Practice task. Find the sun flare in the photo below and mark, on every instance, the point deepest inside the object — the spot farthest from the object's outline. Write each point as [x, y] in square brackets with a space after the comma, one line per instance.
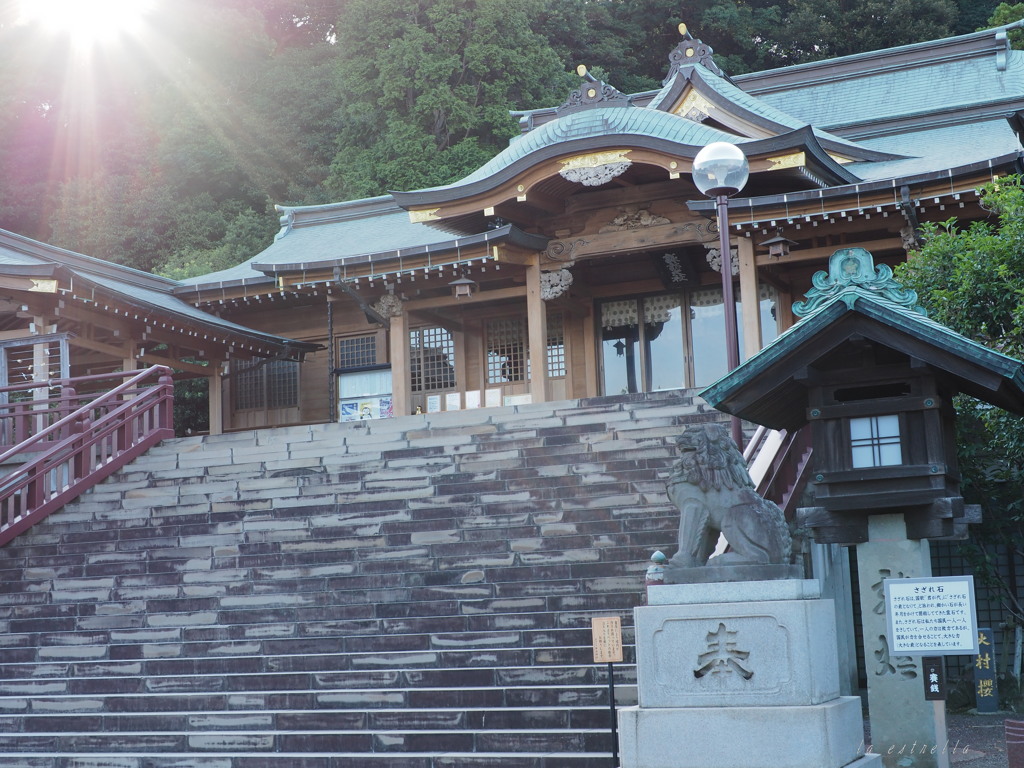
[86, 21]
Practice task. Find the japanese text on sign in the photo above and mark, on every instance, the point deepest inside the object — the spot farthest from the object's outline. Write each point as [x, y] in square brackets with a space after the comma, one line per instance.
[931, 616]
[607, 632]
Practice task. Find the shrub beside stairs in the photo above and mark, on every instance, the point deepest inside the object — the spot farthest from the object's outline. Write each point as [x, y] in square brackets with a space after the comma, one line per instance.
[410, 593]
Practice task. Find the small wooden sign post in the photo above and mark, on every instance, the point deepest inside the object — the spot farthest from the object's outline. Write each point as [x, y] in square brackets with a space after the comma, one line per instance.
[607, 634]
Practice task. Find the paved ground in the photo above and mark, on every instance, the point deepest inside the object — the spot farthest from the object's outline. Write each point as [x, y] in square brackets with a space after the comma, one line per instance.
[976, 741]
[983, 737]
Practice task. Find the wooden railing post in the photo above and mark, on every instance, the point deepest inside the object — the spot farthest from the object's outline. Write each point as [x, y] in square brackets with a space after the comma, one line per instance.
[166, 407]
[68, 399]
[81, 466]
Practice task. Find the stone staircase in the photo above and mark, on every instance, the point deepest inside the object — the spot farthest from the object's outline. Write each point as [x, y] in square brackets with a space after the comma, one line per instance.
[410, 593]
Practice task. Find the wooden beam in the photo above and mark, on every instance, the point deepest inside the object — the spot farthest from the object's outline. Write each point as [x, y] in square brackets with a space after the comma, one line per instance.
[414, 305]
[370, 312]
[200, 370]
[450, 324]
[29, 284]
[820, 254]
[112, 350]
[657, 237]
[605, 198]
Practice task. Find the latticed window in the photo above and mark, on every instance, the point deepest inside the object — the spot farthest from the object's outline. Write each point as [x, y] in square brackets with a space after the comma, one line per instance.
[875, 441]
[556, 345]
[266, 384]
[357, 351]
[506, 350]
[431, 360]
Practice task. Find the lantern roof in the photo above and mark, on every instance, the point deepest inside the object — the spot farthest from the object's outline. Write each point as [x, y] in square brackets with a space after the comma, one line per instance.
[856, 302]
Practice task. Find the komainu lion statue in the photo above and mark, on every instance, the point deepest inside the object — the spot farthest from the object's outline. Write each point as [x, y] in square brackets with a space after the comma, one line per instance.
[714, 493]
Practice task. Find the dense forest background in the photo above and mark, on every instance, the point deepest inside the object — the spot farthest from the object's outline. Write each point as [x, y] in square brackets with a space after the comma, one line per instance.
[166, 149]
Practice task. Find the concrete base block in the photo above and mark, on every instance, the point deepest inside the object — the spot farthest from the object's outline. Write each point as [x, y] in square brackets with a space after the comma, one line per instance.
[828, 735]
[737, 654]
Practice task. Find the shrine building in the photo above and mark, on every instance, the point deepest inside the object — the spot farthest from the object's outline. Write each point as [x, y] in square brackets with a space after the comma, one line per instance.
[581, 261]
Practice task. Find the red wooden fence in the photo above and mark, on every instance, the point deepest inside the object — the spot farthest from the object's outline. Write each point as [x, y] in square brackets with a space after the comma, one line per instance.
[63, 444]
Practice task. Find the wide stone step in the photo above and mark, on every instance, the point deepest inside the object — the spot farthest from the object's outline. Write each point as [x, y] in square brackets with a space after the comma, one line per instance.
[230, 742]
[431, 759]
[329, 550]
[326, 622]
[373, 719]
[316, 680]
[287, 639]
[522, 696]
[256, 662]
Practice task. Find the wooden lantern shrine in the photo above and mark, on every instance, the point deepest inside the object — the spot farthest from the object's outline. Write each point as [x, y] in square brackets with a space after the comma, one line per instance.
[875, 379]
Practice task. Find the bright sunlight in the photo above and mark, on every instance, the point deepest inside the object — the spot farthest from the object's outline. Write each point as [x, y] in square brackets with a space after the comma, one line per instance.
[86, 21]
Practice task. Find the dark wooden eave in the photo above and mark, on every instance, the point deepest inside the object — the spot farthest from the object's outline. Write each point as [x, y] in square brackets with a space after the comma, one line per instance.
[770, 389]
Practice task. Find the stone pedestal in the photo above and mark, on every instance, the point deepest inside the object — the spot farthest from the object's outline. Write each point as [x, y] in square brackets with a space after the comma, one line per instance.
[740, 675]
[906, 730]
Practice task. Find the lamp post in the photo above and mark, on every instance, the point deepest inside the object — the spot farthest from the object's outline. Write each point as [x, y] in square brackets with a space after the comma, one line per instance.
[720, 170]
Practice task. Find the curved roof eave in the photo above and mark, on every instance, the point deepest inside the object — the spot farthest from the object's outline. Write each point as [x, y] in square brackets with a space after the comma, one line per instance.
[506, 234]
[189, 315]
[203, 289]
[707, 207]
[775, 398]
[803, 139]
[80, 262]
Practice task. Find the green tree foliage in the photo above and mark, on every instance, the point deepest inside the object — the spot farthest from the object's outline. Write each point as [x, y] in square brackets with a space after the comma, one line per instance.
[428, 85]
[819, 29]
[972, 280]
[975, 14]
[158, 151]
[161, 150]
[1006, 13]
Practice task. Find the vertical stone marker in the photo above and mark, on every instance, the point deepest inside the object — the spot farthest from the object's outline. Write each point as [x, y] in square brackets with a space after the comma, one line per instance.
[903, 725]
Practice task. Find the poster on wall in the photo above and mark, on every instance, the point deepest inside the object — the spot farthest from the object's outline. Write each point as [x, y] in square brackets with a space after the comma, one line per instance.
[365, 393]
[367, 408]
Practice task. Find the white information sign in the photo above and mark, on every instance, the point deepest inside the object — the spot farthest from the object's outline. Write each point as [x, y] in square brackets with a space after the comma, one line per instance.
[932, 616]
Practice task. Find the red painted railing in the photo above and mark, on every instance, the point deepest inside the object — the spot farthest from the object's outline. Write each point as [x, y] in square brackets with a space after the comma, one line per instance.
[67, 443]
[779, 463]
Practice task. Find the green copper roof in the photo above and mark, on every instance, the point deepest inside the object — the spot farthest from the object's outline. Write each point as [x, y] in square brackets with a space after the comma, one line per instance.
[769, 388]
[148, 292]
[726, 94]
[600, 123]
[328, 233]
[935, 77]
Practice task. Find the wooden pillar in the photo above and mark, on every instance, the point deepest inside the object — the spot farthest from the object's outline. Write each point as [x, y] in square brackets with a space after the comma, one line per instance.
[784, 310]
[592, 371]
[216, 400]
[537, 320]
[401, 396]
[750, 300]
[130, 360]
[461, 368]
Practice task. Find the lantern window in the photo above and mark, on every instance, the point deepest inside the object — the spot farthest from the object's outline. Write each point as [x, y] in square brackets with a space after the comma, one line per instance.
[875, 441]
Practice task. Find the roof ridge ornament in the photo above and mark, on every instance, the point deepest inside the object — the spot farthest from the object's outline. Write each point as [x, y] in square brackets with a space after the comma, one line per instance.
[593, 93]
[855, 268]
[689, 52]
